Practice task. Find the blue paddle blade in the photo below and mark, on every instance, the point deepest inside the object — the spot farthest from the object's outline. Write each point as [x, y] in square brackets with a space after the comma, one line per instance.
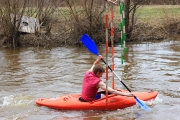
[89, 44]
[142, 105]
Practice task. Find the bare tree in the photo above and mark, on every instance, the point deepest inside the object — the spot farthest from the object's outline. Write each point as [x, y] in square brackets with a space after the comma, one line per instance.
[10, 17]
[84, 16]
[131, 8]
[12, 11]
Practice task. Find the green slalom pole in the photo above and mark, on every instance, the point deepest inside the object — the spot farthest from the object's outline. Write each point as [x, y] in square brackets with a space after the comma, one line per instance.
[123, 30]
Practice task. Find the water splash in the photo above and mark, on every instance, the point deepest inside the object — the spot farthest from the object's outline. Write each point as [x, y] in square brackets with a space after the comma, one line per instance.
[16, 100]
[153, 101]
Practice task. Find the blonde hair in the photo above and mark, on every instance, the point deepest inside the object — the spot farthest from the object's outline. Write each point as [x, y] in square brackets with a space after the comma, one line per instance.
[98, 68]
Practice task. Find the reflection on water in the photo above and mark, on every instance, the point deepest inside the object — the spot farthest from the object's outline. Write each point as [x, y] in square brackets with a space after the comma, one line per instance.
[26, 75]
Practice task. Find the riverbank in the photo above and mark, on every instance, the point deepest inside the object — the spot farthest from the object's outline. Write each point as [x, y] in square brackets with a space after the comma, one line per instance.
[156, 22]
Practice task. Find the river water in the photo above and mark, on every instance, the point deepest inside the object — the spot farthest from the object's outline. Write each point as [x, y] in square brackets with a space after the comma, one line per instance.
[26, 75]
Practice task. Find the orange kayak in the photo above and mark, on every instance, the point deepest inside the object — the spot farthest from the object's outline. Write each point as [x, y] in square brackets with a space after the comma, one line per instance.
[112, 102]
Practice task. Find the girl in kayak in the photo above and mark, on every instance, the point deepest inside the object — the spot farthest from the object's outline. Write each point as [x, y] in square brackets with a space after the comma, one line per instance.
[92, 83]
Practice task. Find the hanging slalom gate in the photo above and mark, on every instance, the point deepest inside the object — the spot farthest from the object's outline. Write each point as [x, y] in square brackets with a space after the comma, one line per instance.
[122, 38]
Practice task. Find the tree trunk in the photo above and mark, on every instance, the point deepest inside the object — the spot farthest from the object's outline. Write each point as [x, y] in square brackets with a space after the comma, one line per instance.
[127, 6]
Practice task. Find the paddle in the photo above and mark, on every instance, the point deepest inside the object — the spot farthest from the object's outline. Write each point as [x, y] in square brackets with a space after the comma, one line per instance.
[91, 46]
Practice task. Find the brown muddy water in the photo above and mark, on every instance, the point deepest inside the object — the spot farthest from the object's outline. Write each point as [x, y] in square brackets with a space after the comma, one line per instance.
[26, 75]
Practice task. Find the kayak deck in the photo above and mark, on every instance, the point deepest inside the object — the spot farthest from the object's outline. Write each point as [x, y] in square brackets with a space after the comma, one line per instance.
[112, 102]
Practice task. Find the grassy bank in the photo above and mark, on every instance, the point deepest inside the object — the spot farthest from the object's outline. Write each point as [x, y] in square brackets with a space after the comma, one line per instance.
[152, 22]
[158, 12]
[157, 22]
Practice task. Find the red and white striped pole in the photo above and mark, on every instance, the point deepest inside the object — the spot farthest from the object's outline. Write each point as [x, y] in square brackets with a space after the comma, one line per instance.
[106, 25]
[112, 42]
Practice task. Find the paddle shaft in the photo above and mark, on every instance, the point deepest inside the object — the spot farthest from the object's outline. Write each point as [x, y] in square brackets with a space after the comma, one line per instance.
[116, 76]
[143, 106]
[119, 78]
